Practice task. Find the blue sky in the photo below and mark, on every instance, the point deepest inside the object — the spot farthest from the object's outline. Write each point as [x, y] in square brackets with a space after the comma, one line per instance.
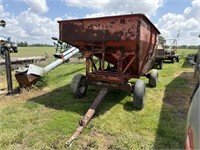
[35, 21]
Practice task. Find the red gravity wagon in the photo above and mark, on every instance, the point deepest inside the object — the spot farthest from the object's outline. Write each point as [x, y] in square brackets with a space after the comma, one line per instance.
[116, 49]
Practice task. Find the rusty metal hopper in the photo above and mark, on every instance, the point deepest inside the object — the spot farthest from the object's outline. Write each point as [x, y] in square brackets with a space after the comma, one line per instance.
[126, 41]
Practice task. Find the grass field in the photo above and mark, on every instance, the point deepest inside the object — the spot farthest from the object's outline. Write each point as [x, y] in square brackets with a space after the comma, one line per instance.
[44, 118]
[33, 51]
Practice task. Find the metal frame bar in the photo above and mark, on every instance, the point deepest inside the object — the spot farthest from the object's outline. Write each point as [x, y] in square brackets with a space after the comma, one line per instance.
[88, 116]
[8, 72]
[128, 65]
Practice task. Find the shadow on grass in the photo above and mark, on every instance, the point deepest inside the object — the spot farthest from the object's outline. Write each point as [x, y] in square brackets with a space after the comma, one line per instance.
[172, 123]
[61, 99]
[186, 63]
[112, 98]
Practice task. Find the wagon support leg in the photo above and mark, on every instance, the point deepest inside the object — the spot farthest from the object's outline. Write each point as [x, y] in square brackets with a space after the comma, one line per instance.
[88, 116]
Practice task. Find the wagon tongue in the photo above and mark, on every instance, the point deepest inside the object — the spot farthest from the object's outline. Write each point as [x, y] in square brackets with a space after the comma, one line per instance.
[88, 116]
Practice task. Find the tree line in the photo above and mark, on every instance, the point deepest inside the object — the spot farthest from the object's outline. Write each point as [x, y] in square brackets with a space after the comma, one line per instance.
[26, 44]
[161, 39]
[188, 47]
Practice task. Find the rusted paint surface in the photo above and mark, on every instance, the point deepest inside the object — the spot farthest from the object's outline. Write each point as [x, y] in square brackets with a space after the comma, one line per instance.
[25, 80]
[117, 40]
[99, 30]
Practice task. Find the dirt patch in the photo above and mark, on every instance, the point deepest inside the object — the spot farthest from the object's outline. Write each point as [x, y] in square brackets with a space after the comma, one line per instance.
[3, 83]
[76, 60]
[95, 140]
[22, 96]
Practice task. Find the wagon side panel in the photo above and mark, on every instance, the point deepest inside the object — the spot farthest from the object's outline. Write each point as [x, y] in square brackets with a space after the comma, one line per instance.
[148, 40]
[115, 32]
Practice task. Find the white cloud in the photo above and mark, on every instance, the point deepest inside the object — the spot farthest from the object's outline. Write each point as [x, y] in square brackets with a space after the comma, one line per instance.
[94, 4]
[29, 26]
[112, 7]
[37, 26]
[1, 9]
[194, 11]
[37, 6]
[188, 23]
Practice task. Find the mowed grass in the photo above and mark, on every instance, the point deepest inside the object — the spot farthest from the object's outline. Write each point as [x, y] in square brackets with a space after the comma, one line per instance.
[45, 118]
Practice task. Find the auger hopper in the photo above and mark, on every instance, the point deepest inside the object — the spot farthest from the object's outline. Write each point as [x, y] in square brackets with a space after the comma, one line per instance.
[116, 48]
[26, 76]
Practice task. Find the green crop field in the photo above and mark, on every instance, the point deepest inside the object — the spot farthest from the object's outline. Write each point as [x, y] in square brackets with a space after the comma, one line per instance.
[45, 117]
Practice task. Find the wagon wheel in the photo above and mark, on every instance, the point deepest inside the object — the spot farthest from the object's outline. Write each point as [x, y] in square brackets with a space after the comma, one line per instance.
[177, 59]
[160, 64]
[138, 94]
[78, 86]
[173, 60]
[153, 78]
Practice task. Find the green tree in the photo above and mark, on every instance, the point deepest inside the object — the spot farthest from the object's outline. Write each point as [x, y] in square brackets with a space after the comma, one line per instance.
[22, 44]
[161, 40]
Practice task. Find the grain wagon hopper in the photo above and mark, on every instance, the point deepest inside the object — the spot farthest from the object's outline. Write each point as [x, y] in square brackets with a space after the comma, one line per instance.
[117, 49]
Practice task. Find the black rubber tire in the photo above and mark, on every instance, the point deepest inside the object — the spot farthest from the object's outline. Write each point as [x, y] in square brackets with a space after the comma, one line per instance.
[177, 59]
[153, 78]
[173, 60]
[78, 87]
[160, 64]
[138, 94]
